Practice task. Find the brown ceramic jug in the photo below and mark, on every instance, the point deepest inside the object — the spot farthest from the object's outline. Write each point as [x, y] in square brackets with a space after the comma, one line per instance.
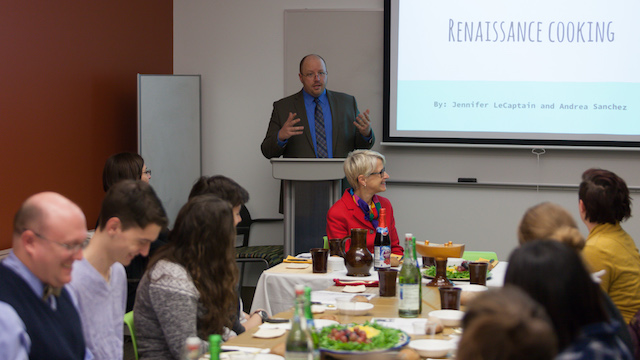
[358, 259]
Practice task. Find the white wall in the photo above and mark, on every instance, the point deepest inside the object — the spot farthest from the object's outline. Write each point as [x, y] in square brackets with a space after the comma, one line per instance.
[238, 48]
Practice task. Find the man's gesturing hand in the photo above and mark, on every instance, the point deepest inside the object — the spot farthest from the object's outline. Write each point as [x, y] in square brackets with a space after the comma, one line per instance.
[363, 123]
[289, 129]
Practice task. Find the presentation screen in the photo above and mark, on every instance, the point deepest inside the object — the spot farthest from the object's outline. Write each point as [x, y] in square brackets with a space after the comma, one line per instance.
[488, 72]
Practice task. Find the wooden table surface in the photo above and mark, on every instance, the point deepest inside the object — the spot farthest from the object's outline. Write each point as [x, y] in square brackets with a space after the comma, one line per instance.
[383, 307]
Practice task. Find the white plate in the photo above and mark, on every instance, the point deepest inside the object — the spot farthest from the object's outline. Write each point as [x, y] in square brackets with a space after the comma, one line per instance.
[354, 288]
[265, 333]
[432, 347]
[450, 318]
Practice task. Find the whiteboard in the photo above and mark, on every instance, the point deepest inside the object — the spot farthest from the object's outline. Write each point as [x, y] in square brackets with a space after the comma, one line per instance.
[169, 126]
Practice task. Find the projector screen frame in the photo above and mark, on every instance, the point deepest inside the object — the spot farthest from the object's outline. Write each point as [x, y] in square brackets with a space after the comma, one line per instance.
[483, 142]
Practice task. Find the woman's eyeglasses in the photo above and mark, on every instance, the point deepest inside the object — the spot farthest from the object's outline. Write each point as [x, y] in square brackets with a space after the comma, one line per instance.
[381, 172]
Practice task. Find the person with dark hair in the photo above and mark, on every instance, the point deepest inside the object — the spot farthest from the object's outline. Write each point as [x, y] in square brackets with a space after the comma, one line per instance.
[229, 190]
[39, 317]
[131, 166]
[551, 221]
[130, 220]
[555, 276]
[224, 188]
[506, 324]
[123, 166]
[604, 202]
[189, 288]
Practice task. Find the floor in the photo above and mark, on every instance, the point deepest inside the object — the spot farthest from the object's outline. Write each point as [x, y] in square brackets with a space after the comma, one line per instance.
[246, 294]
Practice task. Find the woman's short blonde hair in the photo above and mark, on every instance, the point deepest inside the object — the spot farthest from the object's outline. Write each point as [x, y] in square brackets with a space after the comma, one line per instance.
[550, 221]
[361, 162]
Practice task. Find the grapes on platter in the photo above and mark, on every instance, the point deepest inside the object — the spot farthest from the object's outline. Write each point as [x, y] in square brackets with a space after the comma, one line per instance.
[346, 335]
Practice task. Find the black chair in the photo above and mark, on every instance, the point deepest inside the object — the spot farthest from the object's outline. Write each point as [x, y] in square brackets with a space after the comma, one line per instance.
[270, 255]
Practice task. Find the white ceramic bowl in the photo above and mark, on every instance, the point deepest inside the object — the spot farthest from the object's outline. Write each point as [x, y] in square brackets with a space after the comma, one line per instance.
[454, 261]
[450, 318]
[320, 323]
[432, 347]
[354, 308]
[470, 291]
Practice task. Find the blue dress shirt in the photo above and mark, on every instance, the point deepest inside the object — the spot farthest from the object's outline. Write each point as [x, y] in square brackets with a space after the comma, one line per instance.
[310, 107]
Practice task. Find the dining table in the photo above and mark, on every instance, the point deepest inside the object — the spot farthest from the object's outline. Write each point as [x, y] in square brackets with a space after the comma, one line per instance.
[383, 307]
[275, 293]
[275, 289]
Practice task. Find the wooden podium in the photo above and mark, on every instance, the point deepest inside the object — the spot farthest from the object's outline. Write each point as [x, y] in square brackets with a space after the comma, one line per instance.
[311, 187]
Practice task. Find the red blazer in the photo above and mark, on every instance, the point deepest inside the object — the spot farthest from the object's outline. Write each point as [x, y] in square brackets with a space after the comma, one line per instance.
[345, 215]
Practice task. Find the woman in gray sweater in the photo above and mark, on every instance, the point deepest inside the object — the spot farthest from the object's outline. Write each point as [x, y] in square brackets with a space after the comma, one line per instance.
[189, 288]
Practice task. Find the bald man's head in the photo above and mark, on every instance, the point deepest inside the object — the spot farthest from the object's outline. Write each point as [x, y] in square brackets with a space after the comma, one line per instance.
[48, 234]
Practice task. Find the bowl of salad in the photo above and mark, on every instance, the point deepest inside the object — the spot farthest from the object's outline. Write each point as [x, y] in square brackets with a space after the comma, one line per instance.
[348, 341]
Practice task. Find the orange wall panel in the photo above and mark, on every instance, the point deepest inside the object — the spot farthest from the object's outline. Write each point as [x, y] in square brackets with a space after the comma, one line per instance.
[68, 93]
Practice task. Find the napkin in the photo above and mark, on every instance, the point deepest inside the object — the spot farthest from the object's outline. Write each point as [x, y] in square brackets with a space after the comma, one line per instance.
[492, 263]
[293, 259]
[367, 283]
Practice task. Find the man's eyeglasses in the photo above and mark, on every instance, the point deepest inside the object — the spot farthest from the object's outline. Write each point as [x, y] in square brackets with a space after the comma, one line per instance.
[320, 74]
[70, 247]
[148, 172]
[381, 172]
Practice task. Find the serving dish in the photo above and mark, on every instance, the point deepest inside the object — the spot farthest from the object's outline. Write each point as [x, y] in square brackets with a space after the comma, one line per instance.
[449, 318]
[354, 308]
[320, 323]
[402, 340]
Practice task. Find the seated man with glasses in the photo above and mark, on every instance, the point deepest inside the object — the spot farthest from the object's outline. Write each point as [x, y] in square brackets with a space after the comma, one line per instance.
[131, 218]
[329, 122]
[360, 205]
[38, 316]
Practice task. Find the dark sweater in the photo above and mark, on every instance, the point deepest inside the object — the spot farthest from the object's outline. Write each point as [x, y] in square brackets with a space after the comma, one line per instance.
[54, 334]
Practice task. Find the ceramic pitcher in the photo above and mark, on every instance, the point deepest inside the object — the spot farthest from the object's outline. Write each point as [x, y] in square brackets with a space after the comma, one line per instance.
[358, 259]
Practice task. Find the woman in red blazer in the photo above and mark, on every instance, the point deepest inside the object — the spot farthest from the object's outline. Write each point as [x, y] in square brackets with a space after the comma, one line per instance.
[359, 206]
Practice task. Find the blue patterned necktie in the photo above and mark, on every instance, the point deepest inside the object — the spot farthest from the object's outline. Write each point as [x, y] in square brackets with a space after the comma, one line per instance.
[321, 137]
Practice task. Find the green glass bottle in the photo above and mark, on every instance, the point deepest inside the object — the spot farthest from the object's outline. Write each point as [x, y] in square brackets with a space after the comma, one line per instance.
[415, 256]
[299, 344]
[409, 282]
[214, 346]
[311, 326]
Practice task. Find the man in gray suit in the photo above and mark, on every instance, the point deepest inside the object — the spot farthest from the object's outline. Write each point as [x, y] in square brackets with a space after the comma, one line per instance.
[315, 122]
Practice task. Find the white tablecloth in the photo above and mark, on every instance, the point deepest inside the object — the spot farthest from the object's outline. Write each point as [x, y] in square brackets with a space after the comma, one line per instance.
[275, 289]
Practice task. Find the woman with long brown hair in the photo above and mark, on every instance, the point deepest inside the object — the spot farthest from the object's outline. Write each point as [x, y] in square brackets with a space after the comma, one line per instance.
[189, 288]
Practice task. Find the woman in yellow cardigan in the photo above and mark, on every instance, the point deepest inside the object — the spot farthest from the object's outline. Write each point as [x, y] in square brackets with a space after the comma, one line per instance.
[604, 203]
